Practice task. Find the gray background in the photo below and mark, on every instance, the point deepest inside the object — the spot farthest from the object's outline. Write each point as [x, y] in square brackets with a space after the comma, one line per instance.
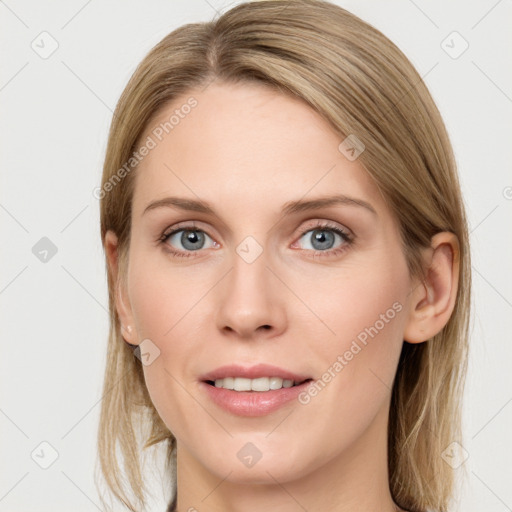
[55, 116]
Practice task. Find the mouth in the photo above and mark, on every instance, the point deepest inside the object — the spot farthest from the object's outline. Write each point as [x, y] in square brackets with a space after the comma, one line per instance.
[254, 397]
[253, 391]
[260, 384]
[261, 377]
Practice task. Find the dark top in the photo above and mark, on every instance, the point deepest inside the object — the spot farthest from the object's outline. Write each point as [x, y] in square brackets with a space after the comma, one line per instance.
[172, 505]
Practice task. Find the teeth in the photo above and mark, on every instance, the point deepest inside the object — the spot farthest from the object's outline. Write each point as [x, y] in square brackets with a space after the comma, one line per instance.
[260, 384]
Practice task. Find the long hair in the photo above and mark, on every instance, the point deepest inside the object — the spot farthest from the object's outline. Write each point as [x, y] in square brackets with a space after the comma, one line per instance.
[363, 85]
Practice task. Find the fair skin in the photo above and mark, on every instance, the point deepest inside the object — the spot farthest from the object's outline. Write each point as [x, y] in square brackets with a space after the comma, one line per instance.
[246, 151]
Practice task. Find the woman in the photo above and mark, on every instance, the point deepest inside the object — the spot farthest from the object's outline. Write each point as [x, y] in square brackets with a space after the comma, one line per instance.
[288, 265]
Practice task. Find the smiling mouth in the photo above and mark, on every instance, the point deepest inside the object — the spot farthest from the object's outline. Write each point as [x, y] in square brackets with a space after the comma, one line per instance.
[261, 384]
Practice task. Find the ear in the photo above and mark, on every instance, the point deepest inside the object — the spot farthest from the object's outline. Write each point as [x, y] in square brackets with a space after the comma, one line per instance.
[433, 299]
[122, 301]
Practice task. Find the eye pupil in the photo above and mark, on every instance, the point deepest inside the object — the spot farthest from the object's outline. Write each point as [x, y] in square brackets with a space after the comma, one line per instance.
[191, 237]
[325, 238]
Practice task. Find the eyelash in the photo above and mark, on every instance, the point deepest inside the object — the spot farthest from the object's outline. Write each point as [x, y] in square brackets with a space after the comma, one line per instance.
[323, 226]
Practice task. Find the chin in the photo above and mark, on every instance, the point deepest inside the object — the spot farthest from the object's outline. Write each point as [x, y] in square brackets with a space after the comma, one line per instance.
[266, 465]
[260, 474]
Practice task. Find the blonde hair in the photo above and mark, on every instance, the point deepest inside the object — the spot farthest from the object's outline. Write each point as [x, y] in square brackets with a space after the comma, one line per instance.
[362, 84]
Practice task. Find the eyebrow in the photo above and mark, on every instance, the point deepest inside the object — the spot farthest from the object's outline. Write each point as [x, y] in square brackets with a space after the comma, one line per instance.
[288, 208]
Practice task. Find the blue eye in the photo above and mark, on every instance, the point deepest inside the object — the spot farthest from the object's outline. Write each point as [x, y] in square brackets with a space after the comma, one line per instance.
[322, 238]
[191, 239]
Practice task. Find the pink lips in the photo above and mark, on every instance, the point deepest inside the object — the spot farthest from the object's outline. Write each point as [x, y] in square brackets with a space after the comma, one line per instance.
[252, 403]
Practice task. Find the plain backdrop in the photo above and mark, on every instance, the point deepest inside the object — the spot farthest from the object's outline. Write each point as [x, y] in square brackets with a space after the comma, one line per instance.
[56, 111]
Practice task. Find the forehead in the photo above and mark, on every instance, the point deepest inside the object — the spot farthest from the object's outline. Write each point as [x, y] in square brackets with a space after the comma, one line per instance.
[245, 145]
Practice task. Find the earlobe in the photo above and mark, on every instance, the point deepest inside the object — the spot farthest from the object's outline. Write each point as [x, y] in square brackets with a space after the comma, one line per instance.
[122, 304]
[433, 300]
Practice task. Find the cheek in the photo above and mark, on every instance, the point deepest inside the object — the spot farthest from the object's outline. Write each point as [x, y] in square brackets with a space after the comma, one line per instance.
[361, 314]
[160, 298]
[162, 308]
[356, 362]
[165, 305]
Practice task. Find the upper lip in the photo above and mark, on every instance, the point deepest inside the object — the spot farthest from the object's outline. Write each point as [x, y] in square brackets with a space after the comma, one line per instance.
[252, 372]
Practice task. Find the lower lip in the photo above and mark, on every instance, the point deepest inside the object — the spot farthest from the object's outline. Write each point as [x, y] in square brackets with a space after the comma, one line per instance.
[253, 403]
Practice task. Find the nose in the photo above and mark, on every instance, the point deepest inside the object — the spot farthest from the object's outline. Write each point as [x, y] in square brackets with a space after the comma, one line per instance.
[251, 300]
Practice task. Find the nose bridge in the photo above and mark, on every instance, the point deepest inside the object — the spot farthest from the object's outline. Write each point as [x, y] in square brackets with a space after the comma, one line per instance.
[249, 297]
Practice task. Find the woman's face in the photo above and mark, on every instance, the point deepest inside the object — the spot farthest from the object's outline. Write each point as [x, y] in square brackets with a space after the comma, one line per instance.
[266, 276]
